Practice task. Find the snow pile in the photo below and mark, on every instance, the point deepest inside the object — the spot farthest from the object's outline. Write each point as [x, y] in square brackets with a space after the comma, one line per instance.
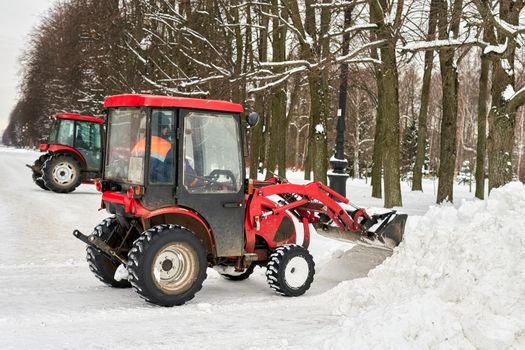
[456, 282]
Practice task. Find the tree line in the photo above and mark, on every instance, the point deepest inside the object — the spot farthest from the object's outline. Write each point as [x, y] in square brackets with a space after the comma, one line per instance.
[431, 83]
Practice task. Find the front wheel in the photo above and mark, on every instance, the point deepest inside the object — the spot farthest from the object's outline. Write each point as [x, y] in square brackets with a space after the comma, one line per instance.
[167, 265]
[37, 171]
[290, 270]
[61, 173]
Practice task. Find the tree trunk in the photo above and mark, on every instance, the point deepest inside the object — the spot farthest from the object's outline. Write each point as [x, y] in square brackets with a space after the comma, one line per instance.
[391, 151]
[423, 111]
[377, 156]
[258, 144]
[482, 127]
[390, 106]
[319, 110]
[449, 86]
[502, 116]
[278, 123]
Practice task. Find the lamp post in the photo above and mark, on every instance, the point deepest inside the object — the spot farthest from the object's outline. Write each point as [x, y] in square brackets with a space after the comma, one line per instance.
[337, 176]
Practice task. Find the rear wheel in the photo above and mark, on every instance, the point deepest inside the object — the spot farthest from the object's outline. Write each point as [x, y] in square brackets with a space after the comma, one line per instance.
[290, 270]
[167, 265]
[102, 267]
[61, 173]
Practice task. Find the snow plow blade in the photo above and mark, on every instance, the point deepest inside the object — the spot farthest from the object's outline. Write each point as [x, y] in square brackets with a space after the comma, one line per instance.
[391, 233]
[382, 231]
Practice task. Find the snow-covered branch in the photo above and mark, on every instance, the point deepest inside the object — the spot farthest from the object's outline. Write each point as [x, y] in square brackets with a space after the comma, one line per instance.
[438, 44]
[516, 100]
[341, 4]
[353, 54]
[487, 14]
[367, 26]
[175, 91]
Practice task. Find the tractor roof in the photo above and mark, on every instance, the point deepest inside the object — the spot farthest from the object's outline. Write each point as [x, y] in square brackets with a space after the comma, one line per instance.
[133, 100]
[76, 116]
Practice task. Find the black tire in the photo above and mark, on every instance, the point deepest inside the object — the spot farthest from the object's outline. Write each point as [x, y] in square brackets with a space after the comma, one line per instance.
[240, 277]
[37, 179]
[296, 280]
[154, 248]
[61, 173]
[103, 267]
[37, 171]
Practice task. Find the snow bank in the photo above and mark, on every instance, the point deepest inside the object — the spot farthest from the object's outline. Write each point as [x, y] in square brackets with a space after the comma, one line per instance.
[456, 282]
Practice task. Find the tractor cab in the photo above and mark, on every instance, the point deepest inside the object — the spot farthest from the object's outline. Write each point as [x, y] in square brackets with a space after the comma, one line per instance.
[81, 134]
[73, 153]
[176, 154]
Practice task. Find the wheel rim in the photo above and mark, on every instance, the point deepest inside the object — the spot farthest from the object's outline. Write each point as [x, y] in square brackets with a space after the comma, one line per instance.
[296, 272]
[64, 173]
[175, 268]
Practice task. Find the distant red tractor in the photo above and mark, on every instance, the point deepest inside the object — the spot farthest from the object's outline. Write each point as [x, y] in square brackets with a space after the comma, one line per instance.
[73, 153]
[174, 180]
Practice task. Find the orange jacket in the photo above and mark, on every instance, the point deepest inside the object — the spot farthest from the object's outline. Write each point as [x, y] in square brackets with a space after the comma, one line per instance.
[159, 148]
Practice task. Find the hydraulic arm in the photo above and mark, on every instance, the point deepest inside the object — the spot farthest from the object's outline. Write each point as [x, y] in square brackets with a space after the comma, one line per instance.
[317, 204]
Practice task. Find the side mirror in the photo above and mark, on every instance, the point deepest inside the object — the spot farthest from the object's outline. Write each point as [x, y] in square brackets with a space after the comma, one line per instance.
[252, 119]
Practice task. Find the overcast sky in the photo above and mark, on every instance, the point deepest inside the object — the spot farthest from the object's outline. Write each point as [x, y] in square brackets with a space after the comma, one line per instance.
[17, 18]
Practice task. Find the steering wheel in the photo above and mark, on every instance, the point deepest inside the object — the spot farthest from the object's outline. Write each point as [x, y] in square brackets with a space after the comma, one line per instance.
[216, 174]
[211, 182]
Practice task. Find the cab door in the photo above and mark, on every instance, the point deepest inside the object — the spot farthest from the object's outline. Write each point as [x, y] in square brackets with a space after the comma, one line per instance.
[211, 175]
[161, 159]
[88, 142]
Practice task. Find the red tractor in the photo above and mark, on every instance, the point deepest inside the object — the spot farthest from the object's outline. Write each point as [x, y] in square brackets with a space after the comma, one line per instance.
[73, 153]
[174, 180]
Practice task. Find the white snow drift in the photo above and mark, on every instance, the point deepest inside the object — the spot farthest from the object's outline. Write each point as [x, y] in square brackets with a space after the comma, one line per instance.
[456, 282]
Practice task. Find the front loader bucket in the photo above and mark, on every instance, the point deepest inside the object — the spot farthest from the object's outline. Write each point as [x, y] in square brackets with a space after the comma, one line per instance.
[392, 232]
[387, 235]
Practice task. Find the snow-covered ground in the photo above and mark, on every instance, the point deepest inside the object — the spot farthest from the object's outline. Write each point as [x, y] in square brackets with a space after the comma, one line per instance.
[456, 282]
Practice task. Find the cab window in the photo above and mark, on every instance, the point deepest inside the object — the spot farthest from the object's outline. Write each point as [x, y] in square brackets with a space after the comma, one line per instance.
[162, 147]
[212, 153]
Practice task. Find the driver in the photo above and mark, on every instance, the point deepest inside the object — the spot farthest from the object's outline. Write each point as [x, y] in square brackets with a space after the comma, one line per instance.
[161, 152]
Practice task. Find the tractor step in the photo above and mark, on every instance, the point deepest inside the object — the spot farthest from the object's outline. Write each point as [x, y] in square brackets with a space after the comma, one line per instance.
[99, 244]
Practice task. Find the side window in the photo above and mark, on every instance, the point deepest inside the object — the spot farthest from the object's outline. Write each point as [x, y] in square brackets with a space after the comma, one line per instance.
[65, 132]
[212, 153]
[162, 147]
[88, 135]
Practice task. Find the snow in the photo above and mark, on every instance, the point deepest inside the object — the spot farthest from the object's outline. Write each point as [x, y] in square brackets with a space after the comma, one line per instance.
[434, 44]
[145, 43]
[319, 128]
[497, 49]
[508, 93]
[457, 281]
[335, 159]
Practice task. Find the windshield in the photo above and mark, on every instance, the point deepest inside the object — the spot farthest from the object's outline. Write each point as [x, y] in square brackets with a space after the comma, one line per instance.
[61, 132]
[126, 145]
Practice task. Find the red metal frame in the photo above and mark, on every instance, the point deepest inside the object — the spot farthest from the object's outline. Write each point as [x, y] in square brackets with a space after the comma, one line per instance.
[134, 207]
[75, 116]
[135, 100]
[311, 198]
[62, 148]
